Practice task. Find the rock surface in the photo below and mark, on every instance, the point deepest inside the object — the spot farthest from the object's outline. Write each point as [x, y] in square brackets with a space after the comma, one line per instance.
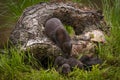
[29, 30]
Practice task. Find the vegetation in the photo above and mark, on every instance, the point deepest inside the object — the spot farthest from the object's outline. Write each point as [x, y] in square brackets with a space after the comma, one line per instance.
[16, 65]
[69, 30]
[17, 6]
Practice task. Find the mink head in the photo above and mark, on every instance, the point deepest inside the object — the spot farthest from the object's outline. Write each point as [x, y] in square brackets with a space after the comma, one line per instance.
[59, 61]
[66, 47]
[84, 58]
[66, 68]
[93, 61]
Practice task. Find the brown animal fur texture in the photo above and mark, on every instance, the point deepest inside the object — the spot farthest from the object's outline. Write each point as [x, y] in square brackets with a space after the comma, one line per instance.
[66, 69]
[72, 62]
[55, 30]
[67, 65]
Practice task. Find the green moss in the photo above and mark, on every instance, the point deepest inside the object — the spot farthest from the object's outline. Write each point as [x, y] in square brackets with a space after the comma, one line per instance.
[70, 30]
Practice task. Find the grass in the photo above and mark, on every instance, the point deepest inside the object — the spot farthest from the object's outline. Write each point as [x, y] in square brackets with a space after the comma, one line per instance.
[16, 7]
[12, 64]
[16, 65]
[112, 49]
[70, 30]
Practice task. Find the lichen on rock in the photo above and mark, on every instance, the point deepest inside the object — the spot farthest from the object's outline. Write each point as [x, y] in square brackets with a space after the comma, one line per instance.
[29, 30]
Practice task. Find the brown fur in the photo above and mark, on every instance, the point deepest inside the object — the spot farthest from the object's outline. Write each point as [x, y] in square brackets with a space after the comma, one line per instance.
[64, 69]
[55, 30]
[72, 62]
[89, 60]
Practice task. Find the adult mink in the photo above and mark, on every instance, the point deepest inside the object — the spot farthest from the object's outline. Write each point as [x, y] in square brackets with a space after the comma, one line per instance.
[55, 30]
